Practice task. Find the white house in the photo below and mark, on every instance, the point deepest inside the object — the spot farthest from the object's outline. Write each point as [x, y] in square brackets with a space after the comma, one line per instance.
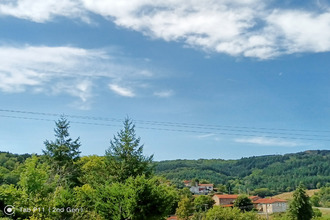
[271, 205]
[201, 189]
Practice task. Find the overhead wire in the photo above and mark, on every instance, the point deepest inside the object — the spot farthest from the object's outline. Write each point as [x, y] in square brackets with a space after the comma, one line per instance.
[178, 124]
[190, 128]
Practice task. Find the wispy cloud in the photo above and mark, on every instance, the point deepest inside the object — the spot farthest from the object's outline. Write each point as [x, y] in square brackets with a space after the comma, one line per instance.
[22, 67]
[43, 10]
[164, 94]
[267, 142]
[121, 90]
[205, 136]
[250, 28]
[210, 136]
[67, 70]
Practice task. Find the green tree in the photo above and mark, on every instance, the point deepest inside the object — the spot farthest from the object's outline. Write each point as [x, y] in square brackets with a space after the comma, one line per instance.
[315, 201]
[317, 213]
[300, 207]
[203, 203]
[125, 155]
[136, 199]
[111, 200]
[87, 197]
[221, 188]
[263, 192]
[243, 203]
[177, 183]
[93, 170]
[185, 208]
[62, 199]
[34, 177]
[324, 195]
[220, 213]
[8, 196]
[63, 153]
[185, 192]
[34, 188]
[150, 198]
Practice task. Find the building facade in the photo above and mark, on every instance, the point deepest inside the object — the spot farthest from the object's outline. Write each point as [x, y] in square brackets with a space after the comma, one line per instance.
[271, 205]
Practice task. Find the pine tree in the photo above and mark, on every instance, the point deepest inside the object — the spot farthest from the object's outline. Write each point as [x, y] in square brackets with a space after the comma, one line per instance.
[125, 155]
[300, 207]
[63, 153]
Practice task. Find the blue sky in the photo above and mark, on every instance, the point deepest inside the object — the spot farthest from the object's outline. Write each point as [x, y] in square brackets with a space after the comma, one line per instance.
[201, 79]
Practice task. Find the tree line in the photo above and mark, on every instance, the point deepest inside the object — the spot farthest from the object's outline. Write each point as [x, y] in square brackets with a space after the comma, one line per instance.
[126, 184]
[62, 185]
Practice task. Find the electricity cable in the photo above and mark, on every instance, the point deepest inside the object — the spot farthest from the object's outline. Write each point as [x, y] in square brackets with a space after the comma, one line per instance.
[174, 130]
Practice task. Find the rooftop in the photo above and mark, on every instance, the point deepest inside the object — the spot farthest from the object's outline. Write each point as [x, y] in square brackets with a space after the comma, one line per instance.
[269, 201]
[226, 196]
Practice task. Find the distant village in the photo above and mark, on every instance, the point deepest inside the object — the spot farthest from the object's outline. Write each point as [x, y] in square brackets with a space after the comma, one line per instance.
[262, 205]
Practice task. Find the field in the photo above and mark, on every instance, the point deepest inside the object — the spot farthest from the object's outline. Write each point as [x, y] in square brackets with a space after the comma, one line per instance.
[325, 213]
[288, 195]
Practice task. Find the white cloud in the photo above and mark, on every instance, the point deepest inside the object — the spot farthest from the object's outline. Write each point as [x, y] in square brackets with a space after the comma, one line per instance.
[121, 90]
[267, 142]
[164, 94]
[210, 136]
[238, 28]
[21, 67]
[202, 136]
[301, 31]
[250, 28]
[67, 70]
[43, 10]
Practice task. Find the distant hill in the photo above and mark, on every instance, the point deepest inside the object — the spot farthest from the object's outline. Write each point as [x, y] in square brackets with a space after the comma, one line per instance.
[9, 163]
[280, 173]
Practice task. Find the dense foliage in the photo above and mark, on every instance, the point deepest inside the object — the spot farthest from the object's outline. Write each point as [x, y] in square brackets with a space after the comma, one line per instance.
[10, 167]
[276, 173]
[61, 185]
[124, 185]
[243, 203]
[322, 197]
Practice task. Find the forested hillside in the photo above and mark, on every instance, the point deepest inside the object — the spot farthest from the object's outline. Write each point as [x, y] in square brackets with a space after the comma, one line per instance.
[9, 167]
[279, 173]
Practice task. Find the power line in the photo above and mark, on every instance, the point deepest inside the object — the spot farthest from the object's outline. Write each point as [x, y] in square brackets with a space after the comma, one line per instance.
[176, 124]
[173, 130]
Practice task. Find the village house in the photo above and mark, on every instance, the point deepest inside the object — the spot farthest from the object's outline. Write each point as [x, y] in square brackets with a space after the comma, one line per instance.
[254, 198]
[187, 183]
[227, 199]
[268, 205]
[271, 205]
[224, 200]
[201, 189]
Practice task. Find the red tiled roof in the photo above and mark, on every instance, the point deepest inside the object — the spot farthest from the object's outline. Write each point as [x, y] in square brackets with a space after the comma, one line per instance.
[172, 218]
[269, 200]
[229, 205]
[205, 185]
[227, 196]
[254, 198]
